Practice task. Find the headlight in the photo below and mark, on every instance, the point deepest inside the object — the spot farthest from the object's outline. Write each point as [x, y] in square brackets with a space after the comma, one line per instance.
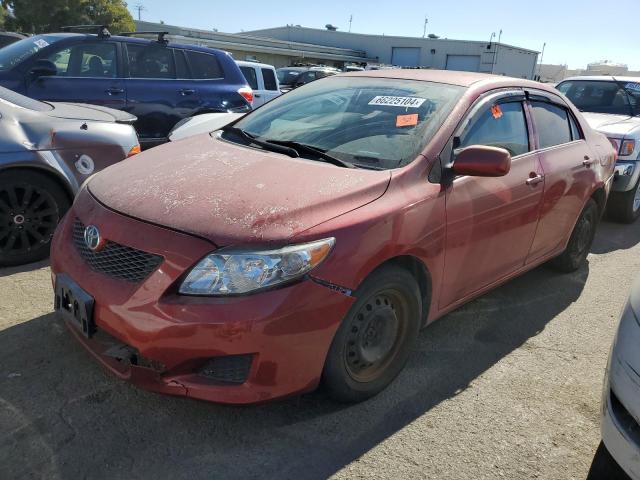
[233, 272]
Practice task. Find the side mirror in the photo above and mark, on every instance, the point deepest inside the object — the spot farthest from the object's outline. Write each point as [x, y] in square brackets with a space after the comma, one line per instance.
[43, 68]
[482, 161]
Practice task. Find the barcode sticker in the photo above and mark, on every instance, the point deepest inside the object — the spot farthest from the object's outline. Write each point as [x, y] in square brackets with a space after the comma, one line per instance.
[410, 102]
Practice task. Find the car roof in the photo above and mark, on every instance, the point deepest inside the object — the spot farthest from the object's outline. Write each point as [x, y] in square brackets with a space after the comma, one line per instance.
[138, 40]
[246, 63]
[463, 79]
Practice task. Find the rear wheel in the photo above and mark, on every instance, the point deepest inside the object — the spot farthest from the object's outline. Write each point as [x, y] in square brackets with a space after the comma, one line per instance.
[625, 206]
[31, 205]
[580, 242]
[375, 338]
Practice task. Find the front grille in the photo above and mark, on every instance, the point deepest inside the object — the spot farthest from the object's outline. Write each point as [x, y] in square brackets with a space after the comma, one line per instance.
[228, 369]
[115, 260]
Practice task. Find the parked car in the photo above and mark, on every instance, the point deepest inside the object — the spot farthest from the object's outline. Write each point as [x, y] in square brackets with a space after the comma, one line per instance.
[158, 82]
[611, 105]
[7, 38]
[262, 79]
[310, 240]
[205, 123]
[621, 392]
[47, 150]
[294, 77]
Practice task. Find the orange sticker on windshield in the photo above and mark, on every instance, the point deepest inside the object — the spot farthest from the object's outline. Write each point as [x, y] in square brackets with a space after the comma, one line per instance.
[496, 111]
[407, 120]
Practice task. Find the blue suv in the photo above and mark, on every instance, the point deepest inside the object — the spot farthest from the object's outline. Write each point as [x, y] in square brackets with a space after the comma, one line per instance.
[158, 82]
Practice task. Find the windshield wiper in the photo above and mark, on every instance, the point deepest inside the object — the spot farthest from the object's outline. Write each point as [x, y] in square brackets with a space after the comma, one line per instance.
[266, 145]
[301, 147]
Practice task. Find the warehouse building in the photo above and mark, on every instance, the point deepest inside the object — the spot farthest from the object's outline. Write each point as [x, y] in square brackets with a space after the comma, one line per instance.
[438, 53]
[288, 45]
[272, 51]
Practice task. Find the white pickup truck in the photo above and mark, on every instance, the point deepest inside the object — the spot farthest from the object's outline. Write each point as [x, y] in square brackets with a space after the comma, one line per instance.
[611, 105]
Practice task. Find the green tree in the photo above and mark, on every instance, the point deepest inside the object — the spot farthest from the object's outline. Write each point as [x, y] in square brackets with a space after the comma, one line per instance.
[38, 16]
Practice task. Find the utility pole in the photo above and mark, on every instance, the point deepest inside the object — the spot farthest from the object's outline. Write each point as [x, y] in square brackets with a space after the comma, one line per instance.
[350, 21]
[140, 8]
[424, 30]
[541, 57]
[495, 53]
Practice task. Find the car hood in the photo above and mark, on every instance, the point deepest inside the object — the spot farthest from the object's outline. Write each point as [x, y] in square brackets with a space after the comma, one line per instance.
[81, 111]
[609, 124]
[232, 194]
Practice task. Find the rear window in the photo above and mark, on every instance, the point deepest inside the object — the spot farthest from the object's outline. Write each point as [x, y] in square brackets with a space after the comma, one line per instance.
[375, 123]
[269, 79]
[150, 61]
[204, 65]
[13, 54]
[251, 77]
[287, 76]
[621, 98]
[552, 124]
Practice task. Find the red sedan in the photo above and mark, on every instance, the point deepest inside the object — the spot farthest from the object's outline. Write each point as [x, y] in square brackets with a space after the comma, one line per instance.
[310, 240]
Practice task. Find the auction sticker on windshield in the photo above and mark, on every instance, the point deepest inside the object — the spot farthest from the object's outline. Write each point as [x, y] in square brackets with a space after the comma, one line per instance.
[413, 102]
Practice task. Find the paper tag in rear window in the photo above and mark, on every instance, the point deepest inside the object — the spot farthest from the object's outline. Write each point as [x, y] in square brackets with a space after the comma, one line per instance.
[403, 102]
[633, 86]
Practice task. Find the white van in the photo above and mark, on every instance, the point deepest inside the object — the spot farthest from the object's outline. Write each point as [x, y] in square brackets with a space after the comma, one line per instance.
[262, 79]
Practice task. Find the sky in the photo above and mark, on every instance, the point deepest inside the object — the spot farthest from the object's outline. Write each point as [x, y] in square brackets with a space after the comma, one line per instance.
[576, 32]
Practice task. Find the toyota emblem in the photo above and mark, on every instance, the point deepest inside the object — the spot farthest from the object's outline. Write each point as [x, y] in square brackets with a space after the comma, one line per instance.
[92, 238]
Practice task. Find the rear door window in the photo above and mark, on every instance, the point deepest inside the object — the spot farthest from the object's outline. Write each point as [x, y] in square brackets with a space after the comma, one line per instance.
[576, 133]
[204, 65]
[97, 60]
[182, 70]
[499, 125]
[150, 61]
[269, 79]
[250, 76]
[552, 124]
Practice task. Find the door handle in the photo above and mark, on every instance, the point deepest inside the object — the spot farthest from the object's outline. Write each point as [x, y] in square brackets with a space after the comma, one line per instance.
[257, 95]
[187, 91]
[114, 91]
[587, 162]
[532, 181]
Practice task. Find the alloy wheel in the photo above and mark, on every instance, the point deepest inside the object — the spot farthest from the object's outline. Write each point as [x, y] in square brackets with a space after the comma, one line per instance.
[28, 218]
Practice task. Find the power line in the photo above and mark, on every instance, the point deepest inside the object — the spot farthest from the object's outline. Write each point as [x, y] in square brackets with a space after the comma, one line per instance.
[140, 7]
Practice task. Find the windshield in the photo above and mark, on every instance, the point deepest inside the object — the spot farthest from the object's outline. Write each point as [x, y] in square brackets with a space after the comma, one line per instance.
[287, 76]
[616, 97]
[370, 122]
[13, 54]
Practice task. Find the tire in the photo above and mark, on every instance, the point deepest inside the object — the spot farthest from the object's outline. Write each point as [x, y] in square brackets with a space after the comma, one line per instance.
[624, 206]
[580, 242]
[374, 340]
[31, 205]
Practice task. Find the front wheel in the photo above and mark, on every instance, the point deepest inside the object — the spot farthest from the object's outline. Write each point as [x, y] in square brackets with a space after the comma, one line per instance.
[580, 242]
[31, 205]
[374, 340]
[625, 206]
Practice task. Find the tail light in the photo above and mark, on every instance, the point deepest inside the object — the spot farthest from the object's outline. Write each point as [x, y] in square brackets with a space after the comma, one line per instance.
[134, 150]
[247, 94]
[627, 147]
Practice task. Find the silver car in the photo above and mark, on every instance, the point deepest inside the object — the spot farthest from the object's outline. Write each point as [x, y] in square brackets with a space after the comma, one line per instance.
[621, 395]
[47, 150]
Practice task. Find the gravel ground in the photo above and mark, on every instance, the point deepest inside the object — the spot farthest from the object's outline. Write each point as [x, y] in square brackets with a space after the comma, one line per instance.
[506, 387]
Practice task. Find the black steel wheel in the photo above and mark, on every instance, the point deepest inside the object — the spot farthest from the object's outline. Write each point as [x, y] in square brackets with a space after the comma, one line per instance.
[31, 205]
[375, 338]
[580, 241]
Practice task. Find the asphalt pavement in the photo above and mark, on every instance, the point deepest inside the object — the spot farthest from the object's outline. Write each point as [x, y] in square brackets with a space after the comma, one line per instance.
[507, 386]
